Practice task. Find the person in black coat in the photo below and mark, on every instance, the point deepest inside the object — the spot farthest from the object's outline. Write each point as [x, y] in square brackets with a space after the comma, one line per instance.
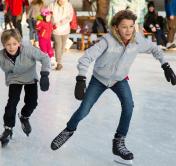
[155, 24]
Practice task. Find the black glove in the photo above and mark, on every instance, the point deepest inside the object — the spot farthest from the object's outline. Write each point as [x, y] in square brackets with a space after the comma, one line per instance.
[44, 80]
[169, 74]
[80, 87]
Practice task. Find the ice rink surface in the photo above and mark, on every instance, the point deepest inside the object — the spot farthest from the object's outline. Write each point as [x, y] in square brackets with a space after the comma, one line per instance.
[152, 134]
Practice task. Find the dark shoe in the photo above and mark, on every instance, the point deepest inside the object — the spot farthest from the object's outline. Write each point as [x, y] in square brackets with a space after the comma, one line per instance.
[61, 139]
[59, 66]
[120, 149]
[6, 136]
[25, 124]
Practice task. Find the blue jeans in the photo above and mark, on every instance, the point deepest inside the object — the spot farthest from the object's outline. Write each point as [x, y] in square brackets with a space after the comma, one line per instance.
[93, 92]
[32, 31]
[160, 37]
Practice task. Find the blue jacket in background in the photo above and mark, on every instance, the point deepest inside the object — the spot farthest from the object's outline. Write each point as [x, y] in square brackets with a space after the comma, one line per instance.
[170, 7]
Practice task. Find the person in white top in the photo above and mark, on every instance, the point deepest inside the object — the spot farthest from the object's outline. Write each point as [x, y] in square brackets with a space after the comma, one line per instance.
[62, 16]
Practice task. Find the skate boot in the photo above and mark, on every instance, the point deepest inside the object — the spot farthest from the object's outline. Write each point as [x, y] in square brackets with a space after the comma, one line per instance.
[53, 63]
[25, 125]
[119, 149]
[61, 139]
[6, 136]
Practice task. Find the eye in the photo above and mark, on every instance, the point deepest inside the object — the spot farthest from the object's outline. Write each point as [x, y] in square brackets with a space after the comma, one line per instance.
[124, 27]
[14, 44]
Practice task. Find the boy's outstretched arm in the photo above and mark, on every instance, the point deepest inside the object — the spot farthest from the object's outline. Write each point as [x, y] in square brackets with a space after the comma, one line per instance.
[38, 55]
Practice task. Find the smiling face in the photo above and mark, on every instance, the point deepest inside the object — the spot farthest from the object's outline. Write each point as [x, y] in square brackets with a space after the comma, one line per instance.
[12, 46]
[48, 18]
[125, 29]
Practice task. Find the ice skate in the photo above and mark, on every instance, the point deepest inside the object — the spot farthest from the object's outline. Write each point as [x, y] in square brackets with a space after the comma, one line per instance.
[25, 125]
[171, 45]
[123, 155]
[53, 63]
[61, 139]
[6, 136]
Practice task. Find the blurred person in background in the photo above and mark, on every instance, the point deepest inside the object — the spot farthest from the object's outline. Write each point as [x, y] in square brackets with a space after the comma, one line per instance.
[62, 16]
[31, 18]
[155, 24]
[44, 29]
[14, 8]
[170, 7]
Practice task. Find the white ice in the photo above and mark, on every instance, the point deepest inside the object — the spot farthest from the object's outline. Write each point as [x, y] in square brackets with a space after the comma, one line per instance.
[151, 137]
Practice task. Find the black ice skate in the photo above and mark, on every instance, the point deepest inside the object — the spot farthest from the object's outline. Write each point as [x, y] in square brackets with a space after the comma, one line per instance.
[25, 125]
[119, 149]
[6, 136]
[61, 139]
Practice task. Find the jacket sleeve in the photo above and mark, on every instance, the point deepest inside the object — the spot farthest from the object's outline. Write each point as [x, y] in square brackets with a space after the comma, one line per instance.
[37, 55]
[91, 55]
[147, 46]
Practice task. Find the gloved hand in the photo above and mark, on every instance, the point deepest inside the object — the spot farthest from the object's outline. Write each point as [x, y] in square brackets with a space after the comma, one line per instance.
[169, 74]
[80, 87]
[44, 80]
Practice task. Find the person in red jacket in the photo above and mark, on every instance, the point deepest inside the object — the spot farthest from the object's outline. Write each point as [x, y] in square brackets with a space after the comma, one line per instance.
[15, 9]
[44, 30]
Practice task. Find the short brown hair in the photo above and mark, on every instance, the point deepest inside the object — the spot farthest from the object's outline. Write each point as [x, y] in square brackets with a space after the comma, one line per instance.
[123, 14]
[7, 34]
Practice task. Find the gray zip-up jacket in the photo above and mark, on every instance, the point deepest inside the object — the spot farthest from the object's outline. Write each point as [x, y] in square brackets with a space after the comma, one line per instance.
[113, 59]
[24, 69]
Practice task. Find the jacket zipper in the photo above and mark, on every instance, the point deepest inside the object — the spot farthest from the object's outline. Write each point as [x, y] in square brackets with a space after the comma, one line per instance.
[109, 82]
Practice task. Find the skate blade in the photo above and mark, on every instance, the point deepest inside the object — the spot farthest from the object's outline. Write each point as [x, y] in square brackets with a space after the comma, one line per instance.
[121, 161]
[25, 132]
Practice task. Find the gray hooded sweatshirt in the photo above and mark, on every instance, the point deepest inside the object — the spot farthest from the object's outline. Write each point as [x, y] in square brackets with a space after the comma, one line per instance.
[113, 59]
[24, 69]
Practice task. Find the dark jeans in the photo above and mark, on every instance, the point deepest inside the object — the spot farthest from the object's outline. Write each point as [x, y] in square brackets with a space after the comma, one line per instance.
[160, 37]
[32, 31]
[93, 92]
[30, 100]
[16, 20]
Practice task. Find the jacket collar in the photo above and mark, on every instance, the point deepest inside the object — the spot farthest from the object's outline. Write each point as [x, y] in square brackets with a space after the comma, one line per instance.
[116, 35]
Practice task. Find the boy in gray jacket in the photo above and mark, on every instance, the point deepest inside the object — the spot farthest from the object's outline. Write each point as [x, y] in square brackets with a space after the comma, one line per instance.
[113, 55]
[18, 61]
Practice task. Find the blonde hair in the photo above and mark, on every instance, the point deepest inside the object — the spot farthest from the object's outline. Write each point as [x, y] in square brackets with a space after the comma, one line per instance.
[7, 34]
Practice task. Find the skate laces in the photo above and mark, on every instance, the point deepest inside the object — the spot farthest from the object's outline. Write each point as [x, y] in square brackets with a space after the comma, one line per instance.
[23, 119]
[121, 146]
[62, 137]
